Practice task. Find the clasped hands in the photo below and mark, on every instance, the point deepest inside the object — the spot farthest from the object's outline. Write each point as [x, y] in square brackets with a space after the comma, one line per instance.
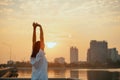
[36, 24]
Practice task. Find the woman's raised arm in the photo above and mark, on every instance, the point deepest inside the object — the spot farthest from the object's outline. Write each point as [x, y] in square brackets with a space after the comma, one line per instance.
[42, 45]
[34, 34]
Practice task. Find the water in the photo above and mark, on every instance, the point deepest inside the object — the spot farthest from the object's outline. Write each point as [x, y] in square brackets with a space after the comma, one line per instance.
[83, 74]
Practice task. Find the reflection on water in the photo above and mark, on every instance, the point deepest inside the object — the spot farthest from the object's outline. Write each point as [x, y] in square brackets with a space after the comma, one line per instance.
[76, 73]
[24, 73]
[102, 75]
[58, 73]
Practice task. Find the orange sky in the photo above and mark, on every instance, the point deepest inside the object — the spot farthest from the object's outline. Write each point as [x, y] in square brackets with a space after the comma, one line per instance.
[67, 23]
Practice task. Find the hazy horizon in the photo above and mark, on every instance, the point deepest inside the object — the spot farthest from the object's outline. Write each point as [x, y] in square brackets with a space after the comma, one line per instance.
[65, 24]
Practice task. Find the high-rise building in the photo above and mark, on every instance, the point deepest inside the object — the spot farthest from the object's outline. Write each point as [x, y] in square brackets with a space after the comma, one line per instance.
[98, 52]
[118, 57]
[113, 54]
[73, 55]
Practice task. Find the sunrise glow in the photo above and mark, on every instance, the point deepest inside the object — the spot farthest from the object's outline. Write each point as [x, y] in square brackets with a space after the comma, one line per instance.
[65, 22]
[51, 44]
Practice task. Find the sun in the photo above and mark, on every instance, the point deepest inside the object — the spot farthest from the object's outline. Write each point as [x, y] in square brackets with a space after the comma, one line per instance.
[51, 44]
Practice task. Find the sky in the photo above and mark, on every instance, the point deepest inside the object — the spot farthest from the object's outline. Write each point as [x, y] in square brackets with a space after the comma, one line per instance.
[65, 23]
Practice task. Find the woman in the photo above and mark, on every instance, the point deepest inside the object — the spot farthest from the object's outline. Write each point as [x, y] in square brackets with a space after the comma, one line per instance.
[38, 60]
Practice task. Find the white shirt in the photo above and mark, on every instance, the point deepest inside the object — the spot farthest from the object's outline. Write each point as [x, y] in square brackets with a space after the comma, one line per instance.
[39, 66]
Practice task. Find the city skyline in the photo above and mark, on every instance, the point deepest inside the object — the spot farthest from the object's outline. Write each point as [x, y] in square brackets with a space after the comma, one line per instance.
[65, 24]
[100, 53]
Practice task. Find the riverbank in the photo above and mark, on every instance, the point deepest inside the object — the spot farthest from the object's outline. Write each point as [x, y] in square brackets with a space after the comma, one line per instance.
[4, 71]
[63, 68]
[30, 79]
[8, 72]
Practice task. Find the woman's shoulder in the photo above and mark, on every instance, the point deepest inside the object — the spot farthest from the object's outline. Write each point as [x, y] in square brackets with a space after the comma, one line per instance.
[41, 52]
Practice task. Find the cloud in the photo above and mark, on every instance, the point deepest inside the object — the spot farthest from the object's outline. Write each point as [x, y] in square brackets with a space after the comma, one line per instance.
[58, 36]
[6, 11]
[6, 7]
[61, 8]
[92, 7]
[5, 2]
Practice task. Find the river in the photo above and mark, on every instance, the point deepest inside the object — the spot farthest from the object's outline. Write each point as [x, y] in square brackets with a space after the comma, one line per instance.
[83, 74]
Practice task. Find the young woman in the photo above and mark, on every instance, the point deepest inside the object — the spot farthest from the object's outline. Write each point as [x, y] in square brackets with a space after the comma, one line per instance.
[38, 60]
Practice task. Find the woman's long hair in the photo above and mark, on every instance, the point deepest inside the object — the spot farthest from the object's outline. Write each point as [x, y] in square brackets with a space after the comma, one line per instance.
[36, 48]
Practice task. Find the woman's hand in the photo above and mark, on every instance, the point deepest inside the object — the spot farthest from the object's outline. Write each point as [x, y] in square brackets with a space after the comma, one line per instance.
[34, 25]
[38, 25]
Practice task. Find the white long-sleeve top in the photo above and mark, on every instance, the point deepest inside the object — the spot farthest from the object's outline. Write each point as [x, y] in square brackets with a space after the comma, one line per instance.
[39, 66]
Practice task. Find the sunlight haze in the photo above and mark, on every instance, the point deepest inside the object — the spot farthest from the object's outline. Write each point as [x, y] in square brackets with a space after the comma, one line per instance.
[65, 23]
